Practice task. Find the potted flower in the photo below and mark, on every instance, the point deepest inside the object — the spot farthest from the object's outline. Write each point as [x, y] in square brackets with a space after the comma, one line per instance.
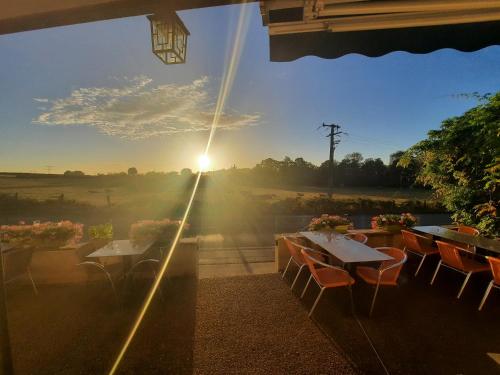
[101, 234]
[408, 220]
[54, 259]
[152, 231]
[394, 223]
[42, 235]
[327, 222]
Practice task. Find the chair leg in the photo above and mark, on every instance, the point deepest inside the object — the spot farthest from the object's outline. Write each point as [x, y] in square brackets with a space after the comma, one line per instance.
[286, 268]
[305, 288]
[35, 290]
[316, 302]
[108, 276]
[373, 300]
[486, 294]
[464, 284]
[297, 276]
[436, 272]
[420, 264]
[349, 288]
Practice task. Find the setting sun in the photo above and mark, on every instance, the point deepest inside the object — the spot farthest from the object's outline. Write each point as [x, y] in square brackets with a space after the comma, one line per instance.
[203, 162]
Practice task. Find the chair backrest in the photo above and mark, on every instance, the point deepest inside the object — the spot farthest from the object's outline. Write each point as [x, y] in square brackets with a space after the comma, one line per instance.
[450, 255]
[294, 250]
[414, 241]
[399, 258]
[360, 237]
[468, 230]
[16, 263]
[311, 263]
[495, 269]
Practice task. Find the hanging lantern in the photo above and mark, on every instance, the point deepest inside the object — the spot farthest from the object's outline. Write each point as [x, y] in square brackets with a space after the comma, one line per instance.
[168, 37]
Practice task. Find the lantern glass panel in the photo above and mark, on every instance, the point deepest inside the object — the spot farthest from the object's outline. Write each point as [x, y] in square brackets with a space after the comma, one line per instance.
[169, 38]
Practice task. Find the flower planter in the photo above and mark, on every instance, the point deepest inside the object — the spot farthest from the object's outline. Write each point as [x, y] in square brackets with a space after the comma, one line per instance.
[341, 228]
[57, 267]
[393, 228]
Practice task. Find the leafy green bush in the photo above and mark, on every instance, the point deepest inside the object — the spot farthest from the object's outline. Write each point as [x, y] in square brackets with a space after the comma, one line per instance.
[461, 162]
[101, 232]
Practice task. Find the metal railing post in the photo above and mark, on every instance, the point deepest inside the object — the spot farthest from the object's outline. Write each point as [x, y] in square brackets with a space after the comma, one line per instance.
[5, 350]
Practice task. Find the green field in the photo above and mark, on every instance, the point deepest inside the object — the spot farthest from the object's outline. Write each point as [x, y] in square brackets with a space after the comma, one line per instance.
[94, 190]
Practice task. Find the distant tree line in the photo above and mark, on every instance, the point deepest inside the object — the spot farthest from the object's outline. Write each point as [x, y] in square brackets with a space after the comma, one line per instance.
[352, 171]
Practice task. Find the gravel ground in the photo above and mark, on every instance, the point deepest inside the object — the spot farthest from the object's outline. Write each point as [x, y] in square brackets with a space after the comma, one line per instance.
[416, 328]
[255, 325]
[78, 330]
[250, 324]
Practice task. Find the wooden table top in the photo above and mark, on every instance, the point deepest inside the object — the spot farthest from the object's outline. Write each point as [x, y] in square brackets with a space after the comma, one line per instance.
[119, 248]
[344, 248]
[478, 241]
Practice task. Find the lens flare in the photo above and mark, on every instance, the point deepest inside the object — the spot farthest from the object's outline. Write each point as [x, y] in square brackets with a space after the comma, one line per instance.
[227, 82]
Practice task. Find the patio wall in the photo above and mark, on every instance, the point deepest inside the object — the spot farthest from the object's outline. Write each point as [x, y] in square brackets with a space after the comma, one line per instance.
[59, 266]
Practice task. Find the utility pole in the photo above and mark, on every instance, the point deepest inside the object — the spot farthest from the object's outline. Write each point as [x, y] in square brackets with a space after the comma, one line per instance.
[49, 168]
[334, 141]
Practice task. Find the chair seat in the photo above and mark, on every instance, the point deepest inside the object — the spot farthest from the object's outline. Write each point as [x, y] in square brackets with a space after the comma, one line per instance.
[331, 278]
[370, 276]
[471, 265]
[425, 250]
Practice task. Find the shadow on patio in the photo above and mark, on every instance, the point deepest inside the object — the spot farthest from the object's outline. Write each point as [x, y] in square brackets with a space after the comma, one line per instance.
[416, 328]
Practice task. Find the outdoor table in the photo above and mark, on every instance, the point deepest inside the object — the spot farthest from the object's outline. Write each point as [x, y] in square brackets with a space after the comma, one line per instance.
[121, 248]
[345, 249]
[477, 241]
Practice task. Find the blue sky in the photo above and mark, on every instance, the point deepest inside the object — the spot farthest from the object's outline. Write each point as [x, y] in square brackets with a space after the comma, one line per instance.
[385, 104]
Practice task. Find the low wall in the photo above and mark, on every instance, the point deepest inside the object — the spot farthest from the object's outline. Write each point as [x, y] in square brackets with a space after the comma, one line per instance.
[59, 266]
[376, 238]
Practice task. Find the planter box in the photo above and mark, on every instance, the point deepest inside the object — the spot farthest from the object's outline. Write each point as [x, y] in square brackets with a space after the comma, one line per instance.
[59, 266]
[393, 228]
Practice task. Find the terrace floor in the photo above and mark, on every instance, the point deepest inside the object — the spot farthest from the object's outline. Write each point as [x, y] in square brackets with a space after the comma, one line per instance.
[255, 324]
[249, 324]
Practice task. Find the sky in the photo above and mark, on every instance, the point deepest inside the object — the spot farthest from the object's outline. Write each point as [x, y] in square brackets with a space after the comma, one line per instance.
[93, 97]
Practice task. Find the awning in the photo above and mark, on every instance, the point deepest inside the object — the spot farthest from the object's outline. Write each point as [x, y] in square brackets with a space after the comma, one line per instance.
[333, 28]
[466, 37]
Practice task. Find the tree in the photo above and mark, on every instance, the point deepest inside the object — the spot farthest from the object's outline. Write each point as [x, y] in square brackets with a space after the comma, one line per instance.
[186, 172]
[461, 162]
[132, 171]
[74, 173]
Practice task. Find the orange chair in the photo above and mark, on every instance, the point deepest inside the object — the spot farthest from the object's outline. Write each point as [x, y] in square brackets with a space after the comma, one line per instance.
[418, 245]
[360, 237]
[297, 258]
[386, 274]
[451, 258]
[495, 283]
[326, 276]
[467, 230]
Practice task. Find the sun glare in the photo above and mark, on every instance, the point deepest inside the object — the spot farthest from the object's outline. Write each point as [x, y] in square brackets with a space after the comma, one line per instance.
[203, 162]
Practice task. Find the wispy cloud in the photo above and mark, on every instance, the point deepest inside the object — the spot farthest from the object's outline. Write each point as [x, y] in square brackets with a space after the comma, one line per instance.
[138, 109]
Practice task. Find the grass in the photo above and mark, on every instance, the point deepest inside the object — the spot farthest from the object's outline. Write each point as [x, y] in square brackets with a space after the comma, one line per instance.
[398, 195]
[96, 190]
